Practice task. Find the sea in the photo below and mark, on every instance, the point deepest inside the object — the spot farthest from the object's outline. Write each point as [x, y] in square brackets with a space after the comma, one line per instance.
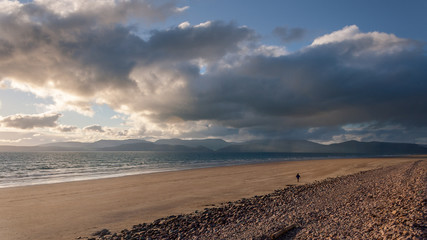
[33, 168]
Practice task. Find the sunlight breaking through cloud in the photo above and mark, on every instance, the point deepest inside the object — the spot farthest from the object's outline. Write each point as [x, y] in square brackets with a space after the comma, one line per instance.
[213, 73]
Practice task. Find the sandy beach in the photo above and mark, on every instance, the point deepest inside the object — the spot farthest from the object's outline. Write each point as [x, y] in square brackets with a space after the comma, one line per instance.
[74, 209]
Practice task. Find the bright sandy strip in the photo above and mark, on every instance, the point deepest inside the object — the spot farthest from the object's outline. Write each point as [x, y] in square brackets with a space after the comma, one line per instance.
[70, 210]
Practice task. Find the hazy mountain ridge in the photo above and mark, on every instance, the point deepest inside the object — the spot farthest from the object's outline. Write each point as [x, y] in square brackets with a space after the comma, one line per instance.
[274, 146]
[303, 146]
[149, 146]
[213, 144]
[376, 147]
[94, 145]
[219, 145]
[8, 148]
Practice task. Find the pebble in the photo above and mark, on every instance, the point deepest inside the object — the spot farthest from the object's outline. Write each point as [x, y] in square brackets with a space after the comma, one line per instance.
[386, 203]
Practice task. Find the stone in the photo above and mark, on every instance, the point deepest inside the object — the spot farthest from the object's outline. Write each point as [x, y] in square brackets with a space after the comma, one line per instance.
[102, 233]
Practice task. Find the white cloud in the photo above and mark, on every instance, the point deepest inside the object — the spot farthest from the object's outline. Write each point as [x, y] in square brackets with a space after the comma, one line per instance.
[117, 117]
[347, 33]
[63, 101]
[203, 24]
[181, 9]
[78, 58]
[67, 7]
[9, 7]
[184, 25]
[371, 42]
[111, 10]
[8, 141]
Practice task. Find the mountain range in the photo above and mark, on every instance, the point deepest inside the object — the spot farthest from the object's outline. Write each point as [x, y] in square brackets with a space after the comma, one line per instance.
[219, 145]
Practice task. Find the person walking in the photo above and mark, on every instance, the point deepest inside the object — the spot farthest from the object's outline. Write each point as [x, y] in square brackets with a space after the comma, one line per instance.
[298, 177]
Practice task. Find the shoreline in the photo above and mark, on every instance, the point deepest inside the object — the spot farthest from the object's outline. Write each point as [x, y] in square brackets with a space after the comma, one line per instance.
[73, 209]
[137, 173]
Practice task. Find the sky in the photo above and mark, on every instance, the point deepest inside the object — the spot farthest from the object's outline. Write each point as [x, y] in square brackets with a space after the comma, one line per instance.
[324, 71]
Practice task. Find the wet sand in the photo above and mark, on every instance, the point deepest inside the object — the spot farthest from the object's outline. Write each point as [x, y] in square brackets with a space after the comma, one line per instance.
[74, 209]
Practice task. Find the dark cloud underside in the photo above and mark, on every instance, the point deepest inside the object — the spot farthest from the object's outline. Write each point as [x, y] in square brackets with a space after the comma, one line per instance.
[30, 121]
[346, 77]
[287, 35]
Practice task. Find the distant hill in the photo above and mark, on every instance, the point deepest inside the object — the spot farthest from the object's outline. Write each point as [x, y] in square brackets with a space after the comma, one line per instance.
[37, 149]
[303, 146]
[80, 146]
[219, 145]
[213, 144]
[376, 148]
[149, 146]
[274, 146]
[7, 148]
[108, 145]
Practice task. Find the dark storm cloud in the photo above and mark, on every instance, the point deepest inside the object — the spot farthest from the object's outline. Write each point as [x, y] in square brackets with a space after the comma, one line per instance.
[210, 42]
[289, 34]
[318, 85]
[94, 128]
[361, 79]
[66, 129]
[94, 55]
[83, 54]
[23, 121]
[79, 55]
